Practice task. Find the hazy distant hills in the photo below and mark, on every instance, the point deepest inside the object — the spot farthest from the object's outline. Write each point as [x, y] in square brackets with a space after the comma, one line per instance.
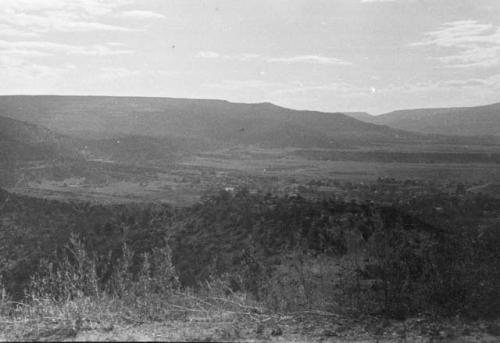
[25, 142]
[21, 141]
[30, 152]
[136, 129]
[363, 116]
[464, 121]
[111, 139]
[209, 122]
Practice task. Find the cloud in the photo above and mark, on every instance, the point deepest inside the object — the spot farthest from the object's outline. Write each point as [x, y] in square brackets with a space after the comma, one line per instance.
[471, 86]
[14, 69]
[244, 84]
[337, 88]
[44, 48]
[35, 17]
[7, 30]
[371, 1]
[473, 44]
[29, 64]
[387, 1]
[490, 83]
[314, 59]
[85, 7]
[142, 15]
[24, 53]
[208, 54]
[34, 24]
[290, 88]
[310, 59]
[113, 73]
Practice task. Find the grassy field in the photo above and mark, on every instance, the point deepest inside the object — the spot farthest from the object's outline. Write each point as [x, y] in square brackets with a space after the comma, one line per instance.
[300, 167]
[185, 181]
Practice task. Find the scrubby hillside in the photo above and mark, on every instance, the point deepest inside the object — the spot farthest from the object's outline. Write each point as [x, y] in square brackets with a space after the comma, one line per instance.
[245, 259]
[256, 238]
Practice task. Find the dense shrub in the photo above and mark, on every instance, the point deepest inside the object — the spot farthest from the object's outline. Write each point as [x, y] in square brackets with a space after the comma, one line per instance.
[469, 277]
[288, 252]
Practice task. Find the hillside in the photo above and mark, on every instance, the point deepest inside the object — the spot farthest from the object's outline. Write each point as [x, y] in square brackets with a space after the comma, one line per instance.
[94, 272]
[268, 247]
[21, 141]
[30, 152]
[464, 121]
[213, 122]
[363, 116]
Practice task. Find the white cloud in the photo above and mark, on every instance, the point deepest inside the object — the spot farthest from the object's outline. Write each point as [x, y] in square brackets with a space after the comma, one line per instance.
[244, 84]
[113, 73]
[43, 48]
[35, 17]
[314, 59]
[7, 30]
[99, 50]
[337, 88]
[15, 69]
[473, 44]
[208, 54]
[29, 63]
[28, 23]
[24, 53]
[311, 59]
[87, 7]
[291, 88]
[387, 1]
[371, 1]
[472, 86]
[142, 15]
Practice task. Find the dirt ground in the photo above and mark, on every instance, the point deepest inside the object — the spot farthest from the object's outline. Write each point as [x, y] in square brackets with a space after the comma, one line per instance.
[301, 328]
[298, 327]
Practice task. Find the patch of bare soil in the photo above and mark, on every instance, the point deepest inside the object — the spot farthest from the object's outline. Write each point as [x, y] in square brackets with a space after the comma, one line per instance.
[300, 328]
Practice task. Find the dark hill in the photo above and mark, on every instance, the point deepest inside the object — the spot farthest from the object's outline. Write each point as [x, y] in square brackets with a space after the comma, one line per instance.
[24, 142]
[21, 141]
[212, 121]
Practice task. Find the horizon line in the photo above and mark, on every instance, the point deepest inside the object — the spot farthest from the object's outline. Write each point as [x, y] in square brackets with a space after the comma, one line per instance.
[237, 102]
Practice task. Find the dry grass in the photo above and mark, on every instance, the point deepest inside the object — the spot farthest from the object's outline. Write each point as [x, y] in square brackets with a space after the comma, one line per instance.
[69, 298]
[69, 301]
[43, 319]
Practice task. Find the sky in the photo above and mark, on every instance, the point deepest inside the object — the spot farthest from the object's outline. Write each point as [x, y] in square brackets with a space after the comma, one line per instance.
[327, 55]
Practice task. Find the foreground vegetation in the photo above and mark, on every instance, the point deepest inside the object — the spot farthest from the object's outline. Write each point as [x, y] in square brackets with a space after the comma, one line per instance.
[68, 300]
[250, 266]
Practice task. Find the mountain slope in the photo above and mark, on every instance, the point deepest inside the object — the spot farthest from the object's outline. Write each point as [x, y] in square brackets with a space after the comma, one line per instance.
[465, 121]
[25, 142]
[211, 121]
[363, 116]
[21, 141]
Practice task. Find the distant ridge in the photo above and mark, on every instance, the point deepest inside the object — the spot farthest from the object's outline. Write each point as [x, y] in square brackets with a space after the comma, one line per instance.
[212, 122]
[463, 121]
[363, 116]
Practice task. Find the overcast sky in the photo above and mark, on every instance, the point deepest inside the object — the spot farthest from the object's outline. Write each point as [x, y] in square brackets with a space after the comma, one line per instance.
[331, 55]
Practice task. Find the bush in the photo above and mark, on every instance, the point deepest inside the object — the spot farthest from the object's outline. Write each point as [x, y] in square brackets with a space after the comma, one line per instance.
[469, 278]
